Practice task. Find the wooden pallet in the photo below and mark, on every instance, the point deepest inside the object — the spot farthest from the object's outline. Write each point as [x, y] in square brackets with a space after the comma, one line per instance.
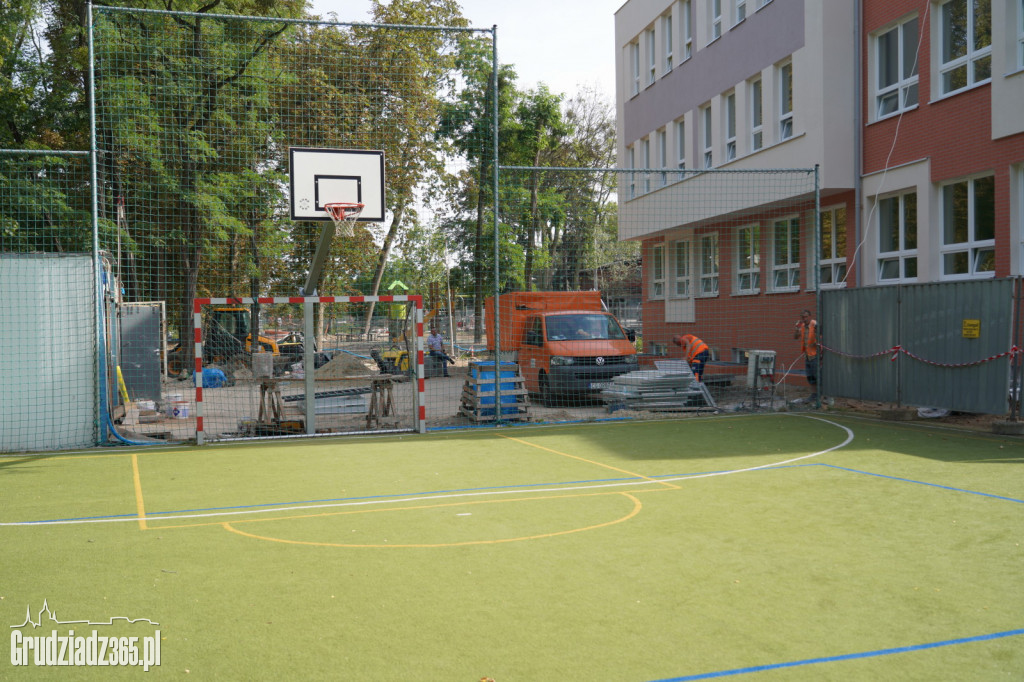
[474, 403]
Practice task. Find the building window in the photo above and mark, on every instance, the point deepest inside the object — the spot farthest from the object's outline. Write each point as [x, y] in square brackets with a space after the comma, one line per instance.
[968, 228]
[748, 259]
[786, 101]
[786, 255]
[662, 156]
[631, 163]
[716, 19]
[762, 3]
[965, 36]
[652, 56]
[684, 16]
[730, 126]
[897, 238]
[709, 265]
[657, 271]
[634, 67]
[739, 11]
[666, 39]
[681, 144]
[705, 135]
[756, 116]
[681, 274]
[896, 57]
[832, 259]
[646, 151]
[1020, 34]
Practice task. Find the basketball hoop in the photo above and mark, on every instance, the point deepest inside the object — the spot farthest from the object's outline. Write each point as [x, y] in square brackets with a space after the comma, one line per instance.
[344, 216]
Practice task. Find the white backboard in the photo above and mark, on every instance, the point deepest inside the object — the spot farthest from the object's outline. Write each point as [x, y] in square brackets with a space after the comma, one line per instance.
[321, 176]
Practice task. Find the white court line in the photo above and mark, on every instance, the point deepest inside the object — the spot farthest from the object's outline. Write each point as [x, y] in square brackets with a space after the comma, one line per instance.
[334, 505]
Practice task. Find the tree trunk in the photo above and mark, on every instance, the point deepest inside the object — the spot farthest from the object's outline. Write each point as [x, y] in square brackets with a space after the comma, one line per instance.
[382, 261]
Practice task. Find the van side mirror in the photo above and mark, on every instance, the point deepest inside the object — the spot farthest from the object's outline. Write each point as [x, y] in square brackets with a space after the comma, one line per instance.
[631, 334]
[533, 338]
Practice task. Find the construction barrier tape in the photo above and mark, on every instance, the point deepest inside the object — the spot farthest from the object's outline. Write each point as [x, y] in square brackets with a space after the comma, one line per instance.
[895, 351]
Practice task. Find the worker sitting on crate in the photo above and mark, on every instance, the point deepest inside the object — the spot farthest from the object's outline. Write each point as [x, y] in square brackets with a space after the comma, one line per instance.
[695, 351]
[435, 343]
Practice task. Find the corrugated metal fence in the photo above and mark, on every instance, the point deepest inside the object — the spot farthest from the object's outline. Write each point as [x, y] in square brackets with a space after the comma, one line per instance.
[951, 345]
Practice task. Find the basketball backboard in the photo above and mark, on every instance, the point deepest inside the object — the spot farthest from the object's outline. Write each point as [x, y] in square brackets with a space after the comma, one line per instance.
[320, 176]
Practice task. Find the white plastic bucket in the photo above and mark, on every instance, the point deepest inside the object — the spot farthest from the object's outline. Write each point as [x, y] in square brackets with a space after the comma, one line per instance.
[179, 409]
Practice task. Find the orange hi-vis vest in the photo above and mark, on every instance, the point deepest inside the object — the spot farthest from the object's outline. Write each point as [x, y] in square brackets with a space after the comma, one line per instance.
[695, 345]
[809, 339]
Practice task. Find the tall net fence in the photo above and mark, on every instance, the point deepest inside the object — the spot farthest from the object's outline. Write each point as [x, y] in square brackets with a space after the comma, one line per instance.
[195, 119]
[701, 278]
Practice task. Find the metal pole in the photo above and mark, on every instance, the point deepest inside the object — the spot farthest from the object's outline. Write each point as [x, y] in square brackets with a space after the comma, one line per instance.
[816, 276]
[100, 364]
[308, 365]
[497, 251]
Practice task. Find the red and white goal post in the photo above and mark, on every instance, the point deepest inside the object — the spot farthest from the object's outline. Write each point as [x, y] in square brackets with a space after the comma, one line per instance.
[418, 416]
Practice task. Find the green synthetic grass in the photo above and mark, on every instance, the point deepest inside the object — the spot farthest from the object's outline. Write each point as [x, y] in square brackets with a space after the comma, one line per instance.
[620, 551]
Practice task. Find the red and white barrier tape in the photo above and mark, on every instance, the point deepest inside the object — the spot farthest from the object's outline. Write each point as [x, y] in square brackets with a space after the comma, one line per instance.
[895, 351]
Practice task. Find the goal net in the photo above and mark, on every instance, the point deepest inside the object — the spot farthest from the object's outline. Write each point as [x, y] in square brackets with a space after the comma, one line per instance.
[256, 376]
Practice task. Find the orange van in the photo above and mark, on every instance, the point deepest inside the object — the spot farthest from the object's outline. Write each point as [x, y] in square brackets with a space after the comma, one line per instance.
[565, 342]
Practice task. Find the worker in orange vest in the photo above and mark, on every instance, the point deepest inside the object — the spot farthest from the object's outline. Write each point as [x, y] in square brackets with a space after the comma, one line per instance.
[695, 351]
[807, 331]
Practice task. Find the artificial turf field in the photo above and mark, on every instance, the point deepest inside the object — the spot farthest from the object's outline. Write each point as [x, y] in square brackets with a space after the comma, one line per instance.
[763, 547]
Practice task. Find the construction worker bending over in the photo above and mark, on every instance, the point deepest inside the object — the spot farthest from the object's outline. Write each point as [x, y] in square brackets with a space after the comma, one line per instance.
[695, 351]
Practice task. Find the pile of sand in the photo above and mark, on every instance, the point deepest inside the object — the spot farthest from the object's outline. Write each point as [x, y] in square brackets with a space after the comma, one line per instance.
[346, 365]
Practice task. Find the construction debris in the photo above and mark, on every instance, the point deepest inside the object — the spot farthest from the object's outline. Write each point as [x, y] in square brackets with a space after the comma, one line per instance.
[670, 387]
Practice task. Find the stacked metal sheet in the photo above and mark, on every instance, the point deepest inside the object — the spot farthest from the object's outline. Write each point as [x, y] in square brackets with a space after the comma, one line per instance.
[670, 387]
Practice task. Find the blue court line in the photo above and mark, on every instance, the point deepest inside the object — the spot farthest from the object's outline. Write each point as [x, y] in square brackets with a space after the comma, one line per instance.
[844, 657]
[910, 480]
[524, 486]
[271, 505]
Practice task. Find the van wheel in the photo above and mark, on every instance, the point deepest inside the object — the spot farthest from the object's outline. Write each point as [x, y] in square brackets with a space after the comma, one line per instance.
[547, 398]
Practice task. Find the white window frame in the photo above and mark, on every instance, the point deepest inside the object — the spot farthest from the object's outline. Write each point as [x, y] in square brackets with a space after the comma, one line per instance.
[1020, 34]
[785, 80]
[709, 265]
[634, 64]
[657, 273]
[756, 115]
[687, 29]
[834, 261]
[762, 3]
[631, 164]
[786, 266]
[976, 249]
[681, 144]
[748, 260]
[715, 15]
[730, 126]
[667, 42]
[645, 152]
[892, 99]
[652, 56]
[682, 268]
[976, 62]
[903, 235]
[706, 138]
[739, 11]
[662, 143]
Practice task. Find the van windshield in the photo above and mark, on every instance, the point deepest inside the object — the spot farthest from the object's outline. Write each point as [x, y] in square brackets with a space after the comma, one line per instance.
[576, 327]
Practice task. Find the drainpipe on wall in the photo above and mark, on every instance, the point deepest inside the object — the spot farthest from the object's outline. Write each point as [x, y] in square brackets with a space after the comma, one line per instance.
[858, 135]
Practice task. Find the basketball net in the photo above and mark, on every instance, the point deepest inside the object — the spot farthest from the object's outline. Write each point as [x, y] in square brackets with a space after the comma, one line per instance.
[344, 216]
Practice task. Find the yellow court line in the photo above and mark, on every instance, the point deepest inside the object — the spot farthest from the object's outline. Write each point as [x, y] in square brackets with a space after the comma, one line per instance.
[590, 461]
[140, 505]
[637, 506]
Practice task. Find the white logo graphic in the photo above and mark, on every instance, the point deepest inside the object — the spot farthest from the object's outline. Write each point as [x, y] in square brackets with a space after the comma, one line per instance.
[93, 649]
[599, 361]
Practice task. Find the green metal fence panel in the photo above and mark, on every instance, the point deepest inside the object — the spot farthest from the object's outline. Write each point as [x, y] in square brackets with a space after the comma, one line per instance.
[859, 327]
[955, 341]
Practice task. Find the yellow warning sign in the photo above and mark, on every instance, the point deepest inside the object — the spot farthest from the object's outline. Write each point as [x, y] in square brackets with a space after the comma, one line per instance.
[971, 329]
